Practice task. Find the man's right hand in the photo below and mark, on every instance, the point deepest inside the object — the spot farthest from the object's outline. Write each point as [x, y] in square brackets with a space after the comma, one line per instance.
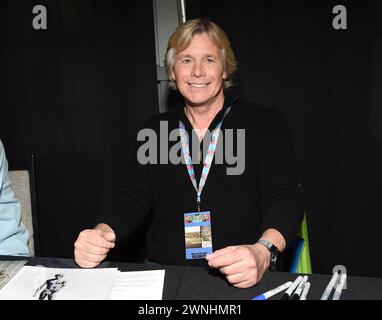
[92, 245]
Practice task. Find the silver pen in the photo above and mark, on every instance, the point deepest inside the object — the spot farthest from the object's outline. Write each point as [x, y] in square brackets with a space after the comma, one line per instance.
[330, 286]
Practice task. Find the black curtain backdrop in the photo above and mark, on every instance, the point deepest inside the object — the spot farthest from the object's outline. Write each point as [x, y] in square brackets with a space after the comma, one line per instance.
[292, 59]
[74, 95]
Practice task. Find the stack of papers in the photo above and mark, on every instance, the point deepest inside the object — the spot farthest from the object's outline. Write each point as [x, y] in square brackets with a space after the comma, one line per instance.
[40, 283]
[8, 269]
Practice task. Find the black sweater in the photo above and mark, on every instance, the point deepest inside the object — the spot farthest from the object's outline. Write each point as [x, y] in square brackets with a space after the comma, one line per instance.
[242, 206]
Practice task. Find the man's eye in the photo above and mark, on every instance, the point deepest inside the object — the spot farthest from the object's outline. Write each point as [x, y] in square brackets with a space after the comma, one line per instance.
[186, 61]
[209, 60]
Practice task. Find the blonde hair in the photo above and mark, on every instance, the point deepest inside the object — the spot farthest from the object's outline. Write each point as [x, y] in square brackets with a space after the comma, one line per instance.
[182, 38]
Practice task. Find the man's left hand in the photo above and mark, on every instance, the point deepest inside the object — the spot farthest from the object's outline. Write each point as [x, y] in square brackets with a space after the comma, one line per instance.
[243, 265]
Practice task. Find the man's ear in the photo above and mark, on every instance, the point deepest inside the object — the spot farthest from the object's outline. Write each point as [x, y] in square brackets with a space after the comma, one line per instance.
[172, 75]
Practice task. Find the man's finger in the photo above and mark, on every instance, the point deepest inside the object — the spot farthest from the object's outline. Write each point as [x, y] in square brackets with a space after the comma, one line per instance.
[245, 284]
[90, 257]
[109, 236]
[236, 278]
[232, 269]
[225, 260]
[220, 252]
[96, 239]
[86, 264]
[90, 248]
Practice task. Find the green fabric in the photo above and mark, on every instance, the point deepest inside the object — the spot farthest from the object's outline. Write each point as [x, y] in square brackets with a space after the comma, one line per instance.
[304, 264]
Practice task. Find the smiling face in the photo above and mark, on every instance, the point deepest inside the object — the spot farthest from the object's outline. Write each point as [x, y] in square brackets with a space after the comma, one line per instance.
[198, 72]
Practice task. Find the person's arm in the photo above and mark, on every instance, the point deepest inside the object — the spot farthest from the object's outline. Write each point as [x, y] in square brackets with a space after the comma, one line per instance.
[128, 205]
[130, 199]
[282, 211]
[13, 234]
[281, 198]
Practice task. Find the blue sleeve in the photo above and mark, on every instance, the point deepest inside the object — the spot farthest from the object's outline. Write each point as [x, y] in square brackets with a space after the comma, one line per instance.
[13, 235]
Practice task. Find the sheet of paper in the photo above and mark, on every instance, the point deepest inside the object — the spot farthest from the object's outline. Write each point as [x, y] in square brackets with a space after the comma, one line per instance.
[40, 283]
[138, 285]
[8, 269]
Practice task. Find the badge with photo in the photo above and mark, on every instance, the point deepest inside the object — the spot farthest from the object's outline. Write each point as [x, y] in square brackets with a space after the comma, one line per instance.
[197, 234]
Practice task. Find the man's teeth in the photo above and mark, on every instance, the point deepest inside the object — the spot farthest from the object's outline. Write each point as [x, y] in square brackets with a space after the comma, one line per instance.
[198, 85]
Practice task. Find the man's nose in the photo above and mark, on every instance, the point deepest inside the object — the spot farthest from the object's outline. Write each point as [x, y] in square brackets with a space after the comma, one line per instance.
[198, 70]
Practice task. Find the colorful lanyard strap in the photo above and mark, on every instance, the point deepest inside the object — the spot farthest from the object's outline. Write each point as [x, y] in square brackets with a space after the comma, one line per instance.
[208, 160]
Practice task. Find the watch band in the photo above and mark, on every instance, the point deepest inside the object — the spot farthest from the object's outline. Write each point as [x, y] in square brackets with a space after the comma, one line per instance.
[274, 253]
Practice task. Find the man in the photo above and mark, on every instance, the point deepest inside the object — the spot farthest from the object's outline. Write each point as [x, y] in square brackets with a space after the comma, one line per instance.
[13, 235]
[253, 213]
[52, 286]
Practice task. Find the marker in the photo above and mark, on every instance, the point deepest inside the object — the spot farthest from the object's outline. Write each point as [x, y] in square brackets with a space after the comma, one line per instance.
[305, 291]
[273, 292]
[294, 285]
[330, 286]
[340, 286]
[297, 293]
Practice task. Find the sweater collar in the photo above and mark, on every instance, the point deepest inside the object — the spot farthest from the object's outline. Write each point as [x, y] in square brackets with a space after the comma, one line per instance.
[177, 109]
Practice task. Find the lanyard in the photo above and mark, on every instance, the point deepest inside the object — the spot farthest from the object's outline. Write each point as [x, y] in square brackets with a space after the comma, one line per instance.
[208, 160]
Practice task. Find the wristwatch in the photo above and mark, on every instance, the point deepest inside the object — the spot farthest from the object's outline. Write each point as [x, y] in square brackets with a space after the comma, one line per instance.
[274, 253]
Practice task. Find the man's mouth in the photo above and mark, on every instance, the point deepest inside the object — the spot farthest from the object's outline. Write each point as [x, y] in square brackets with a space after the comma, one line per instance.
[199, 85]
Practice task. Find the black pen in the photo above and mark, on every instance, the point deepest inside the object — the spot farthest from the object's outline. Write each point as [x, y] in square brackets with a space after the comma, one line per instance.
[290, 290]
[297, 293]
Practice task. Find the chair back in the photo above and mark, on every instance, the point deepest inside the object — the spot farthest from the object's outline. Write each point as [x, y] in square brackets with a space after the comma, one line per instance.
[22, 176]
